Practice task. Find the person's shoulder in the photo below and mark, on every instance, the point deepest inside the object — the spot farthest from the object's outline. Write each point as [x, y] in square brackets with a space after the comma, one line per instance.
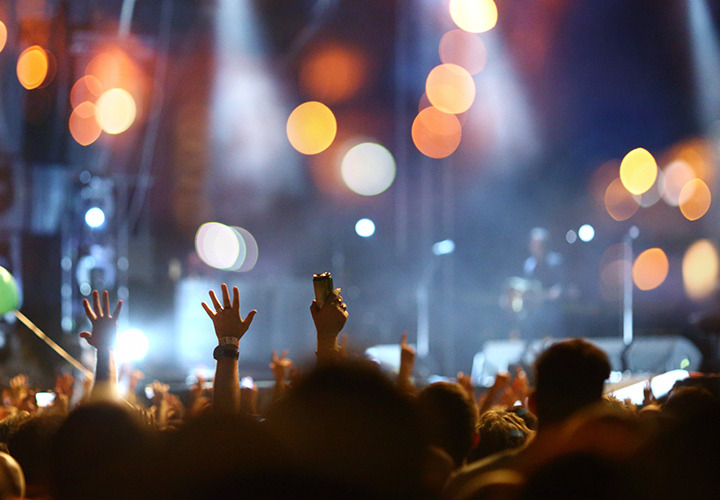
[465, 479]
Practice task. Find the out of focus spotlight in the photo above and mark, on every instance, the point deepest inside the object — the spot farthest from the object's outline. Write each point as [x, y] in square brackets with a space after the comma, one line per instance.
[95, 217]
[131, 345]
[368, 169]
[365, 228]
[571, 236]
[443, 247]
[219, 245]
[586, 232]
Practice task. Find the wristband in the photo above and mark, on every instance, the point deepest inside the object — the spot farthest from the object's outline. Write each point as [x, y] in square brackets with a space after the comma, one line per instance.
[229, 340]
[226, 351]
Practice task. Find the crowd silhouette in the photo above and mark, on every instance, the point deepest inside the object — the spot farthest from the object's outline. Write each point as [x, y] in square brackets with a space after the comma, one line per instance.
[343, 428]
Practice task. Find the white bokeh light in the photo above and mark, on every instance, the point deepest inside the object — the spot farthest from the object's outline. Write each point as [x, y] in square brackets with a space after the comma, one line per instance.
[95, 217]
[219, 246]
[365, 228]
[586, 232]
[131, 345]
[368, 169]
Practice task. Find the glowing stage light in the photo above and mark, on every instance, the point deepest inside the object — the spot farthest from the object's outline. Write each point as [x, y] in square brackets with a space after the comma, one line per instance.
[311, 128]
[638, 171]
[586, 232]
[365, 228]
[571, 236]
[3, 35]
[443, 247]
[115, 111]
[695, 199]
[700, 266]
[467, 50]
[218, 245]
[368, 169]
[95, 217]
[83, 126]
[32, 67]
[475, 16]
[450, 88]
[436, 134]
[131, 345]
[650, 269]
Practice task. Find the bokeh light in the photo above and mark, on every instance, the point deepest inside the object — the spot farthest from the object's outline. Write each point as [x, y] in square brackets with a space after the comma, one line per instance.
[695, 199]
[450, 88]
[3, 35]
[619, 203]
[436, 134]
[675, 175]
[83, 125]
[571, 236]
[252, 251]
[368, 169]
[464, 49]
[115, 111]
[87, 88]
[650, 269]
[95, 217]
[334, 73]
[700, 267]
[638, 171]
[586, 233]
[217, 245]
[311, 128]
[475, 16]
[365, 228]
[654, 194]
[32, 67]
[131, 345]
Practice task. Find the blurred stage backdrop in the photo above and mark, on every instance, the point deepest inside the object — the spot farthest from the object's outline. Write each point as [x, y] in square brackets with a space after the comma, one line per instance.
[158, 148]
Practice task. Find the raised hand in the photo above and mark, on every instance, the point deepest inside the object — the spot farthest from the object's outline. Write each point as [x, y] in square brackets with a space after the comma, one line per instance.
[104, 324]
[329, 320]
[280, 365]
[226, 318]
[407, 365]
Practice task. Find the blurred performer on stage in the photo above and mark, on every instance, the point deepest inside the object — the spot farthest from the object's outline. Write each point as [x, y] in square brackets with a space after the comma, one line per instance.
[534, 298]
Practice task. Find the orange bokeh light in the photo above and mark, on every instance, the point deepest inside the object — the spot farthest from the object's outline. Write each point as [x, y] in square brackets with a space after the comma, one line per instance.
[619, 203]
[464, 49]
[87, 88]
[650, 269]
[84, 128]
[32, 67]
[436, 134]
[450, 88]
[311, 128]
[3, 35]
[334, 73]
[695, 199]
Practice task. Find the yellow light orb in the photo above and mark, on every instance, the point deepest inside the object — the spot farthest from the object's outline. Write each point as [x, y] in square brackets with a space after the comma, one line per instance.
[450, 88]
[638, 171]
[695, 199]
[311, 128]
[700, 268]
[115, 110]
[436, 134]
[474, 16]
[650, 269]
[32, 67]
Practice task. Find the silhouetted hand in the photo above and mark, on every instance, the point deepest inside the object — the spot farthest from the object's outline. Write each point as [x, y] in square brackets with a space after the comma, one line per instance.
[329, 321]
[104, 324]
[226, 318]
[280, 365]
